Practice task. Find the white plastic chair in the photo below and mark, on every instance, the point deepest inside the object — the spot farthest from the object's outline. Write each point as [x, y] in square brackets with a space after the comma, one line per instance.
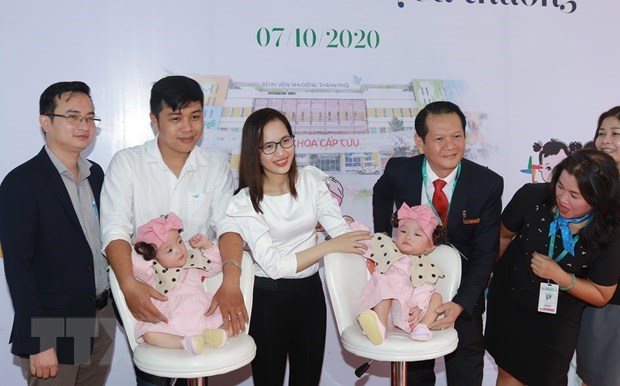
[177, 363]
[346, 275]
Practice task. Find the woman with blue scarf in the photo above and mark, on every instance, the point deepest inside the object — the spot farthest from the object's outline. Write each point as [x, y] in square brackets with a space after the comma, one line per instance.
[559, 251]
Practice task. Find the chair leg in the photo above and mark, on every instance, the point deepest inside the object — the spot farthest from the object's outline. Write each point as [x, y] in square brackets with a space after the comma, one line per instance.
[196, 382]
[399, 373]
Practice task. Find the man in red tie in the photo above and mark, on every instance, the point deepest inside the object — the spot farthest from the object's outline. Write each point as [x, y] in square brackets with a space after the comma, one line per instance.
[467, 199]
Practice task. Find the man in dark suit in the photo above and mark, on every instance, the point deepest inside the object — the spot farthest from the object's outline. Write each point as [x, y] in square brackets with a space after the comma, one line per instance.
[473, 206]
[49, 229]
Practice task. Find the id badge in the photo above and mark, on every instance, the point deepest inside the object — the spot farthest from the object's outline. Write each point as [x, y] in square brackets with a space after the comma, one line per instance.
[548, 298]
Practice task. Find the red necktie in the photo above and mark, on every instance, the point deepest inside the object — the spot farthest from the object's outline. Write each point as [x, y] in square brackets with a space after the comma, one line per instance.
[440, 201]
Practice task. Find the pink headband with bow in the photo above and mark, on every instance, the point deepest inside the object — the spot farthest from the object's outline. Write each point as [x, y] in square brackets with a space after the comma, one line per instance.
[156, 231]
[422, 214]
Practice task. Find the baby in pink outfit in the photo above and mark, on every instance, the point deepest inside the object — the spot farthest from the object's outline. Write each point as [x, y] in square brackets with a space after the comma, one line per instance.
[390, 296]
[162, 261]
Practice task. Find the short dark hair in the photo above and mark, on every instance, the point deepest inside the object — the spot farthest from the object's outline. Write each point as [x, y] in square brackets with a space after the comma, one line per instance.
[251, 172]
[49, 98]
[436, 108]
[176, 92]
[598, 181]
[614, 112]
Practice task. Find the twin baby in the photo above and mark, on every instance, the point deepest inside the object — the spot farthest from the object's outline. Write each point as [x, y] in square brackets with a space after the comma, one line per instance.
[400, 292]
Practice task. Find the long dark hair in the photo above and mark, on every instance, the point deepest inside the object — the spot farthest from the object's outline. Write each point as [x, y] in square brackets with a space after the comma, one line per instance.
[614, 112]
[598, 181]
[251, 172]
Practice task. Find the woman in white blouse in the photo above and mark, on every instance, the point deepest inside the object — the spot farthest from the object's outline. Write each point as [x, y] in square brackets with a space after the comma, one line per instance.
[277, 208]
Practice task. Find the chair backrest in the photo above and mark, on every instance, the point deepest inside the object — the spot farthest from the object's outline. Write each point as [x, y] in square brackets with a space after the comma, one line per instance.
[211, 285]
[346, 274]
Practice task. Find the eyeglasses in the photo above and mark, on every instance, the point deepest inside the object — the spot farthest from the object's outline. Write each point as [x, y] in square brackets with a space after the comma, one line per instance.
[271, 147]
[76, 119]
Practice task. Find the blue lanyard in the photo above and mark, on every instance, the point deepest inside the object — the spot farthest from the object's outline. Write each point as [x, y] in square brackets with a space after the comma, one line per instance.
[430, 201]
[559, 228]
[552, 245]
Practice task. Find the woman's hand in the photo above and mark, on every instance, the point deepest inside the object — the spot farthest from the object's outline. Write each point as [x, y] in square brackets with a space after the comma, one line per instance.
[350, 242]
[546, 268]
[583, 289]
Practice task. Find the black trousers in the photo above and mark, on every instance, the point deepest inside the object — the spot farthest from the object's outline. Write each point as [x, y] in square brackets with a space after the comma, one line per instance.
[288, 321]
[464, 366]
[145, 379]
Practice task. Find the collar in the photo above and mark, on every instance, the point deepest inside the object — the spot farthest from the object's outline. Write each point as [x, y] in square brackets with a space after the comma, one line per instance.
[83, 165]
[561, 223]
[432, 177]
[153, 155]
[167, 278]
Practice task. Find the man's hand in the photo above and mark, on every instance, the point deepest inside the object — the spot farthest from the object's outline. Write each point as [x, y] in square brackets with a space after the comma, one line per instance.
[451, 311]
[44, 364]
[138, 297]
[230, 300]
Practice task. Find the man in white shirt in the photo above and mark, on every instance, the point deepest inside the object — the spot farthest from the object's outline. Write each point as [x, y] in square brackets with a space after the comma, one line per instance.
[170, 173]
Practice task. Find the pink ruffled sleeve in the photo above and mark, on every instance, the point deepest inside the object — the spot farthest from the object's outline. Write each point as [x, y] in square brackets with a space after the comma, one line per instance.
[213, 254]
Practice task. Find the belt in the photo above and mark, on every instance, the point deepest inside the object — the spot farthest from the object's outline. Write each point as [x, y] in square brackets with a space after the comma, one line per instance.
[102, 299]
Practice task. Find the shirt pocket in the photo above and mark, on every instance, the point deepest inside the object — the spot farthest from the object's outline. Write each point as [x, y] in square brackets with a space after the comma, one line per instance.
[198, 213]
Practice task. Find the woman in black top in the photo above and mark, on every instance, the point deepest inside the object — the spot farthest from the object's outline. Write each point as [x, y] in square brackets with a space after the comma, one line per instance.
[559, 241]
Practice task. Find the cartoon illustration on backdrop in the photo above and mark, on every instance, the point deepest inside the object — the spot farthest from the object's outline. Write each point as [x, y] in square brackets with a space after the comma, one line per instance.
[531, 169]
[549, 155]
[337, 191]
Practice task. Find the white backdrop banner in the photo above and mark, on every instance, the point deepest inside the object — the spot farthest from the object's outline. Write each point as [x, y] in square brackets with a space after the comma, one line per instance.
[532, 77]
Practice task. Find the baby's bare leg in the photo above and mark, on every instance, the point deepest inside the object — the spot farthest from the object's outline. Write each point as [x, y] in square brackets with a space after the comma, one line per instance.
[382, 310]
[161, 339]
[431, 315]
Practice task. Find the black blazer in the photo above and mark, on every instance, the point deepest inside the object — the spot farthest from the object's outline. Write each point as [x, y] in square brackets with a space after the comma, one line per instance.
[47, 260]
[473, 221]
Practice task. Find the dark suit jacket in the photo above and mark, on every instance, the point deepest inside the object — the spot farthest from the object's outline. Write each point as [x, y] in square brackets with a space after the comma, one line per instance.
[477, 196]
[47, 260]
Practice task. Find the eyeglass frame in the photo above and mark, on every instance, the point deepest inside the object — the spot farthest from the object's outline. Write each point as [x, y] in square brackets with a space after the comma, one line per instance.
[95, 120]
[279, 143]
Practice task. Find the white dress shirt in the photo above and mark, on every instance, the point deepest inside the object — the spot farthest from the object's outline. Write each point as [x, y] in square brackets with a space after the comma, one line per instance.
[429, 189]
[139, 187]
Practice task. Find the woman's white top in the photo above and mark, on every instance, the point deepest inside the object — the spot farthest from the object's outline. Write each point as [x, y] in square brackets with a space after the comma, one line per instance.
[287, 225]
